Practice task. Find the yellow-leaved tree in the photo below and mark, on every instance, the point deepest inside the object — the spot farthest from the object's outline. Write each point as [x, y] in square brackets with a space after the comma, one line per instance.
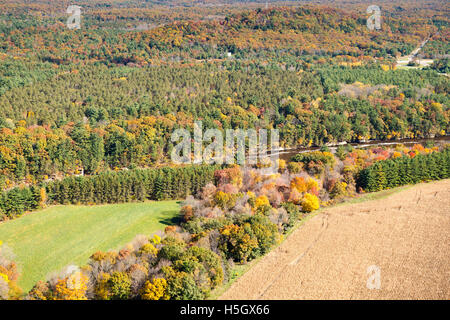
[310, 202]
[73, 287]
[155, 290]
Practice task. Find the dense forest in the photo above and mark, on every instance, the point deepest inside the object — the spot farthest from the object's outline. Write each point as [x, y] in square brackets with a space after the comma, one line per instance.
[108, 96]
[93, 123]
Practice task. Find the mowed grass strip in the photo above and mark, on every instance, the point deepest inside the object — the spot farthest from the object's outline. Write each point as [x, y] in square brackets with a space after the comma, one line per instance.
[48, 240]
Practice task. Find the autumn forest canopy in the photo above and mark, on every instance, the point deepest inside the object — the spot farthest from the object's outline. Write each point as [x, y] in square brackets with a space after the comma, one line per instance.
[110, 94]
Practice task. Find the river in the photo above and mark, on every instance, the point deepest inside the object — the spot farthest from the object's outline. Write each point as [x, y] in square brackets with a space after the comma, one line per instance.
[287, 154]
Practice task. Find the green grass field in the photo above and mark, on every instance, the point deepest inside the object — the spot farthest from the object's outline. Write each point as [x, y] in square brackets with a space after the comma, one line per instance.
[48, 240]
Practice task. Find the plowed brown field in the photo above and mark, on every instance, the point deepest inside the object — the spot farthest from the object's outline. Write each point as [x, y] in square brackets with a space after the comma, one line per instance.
[406, 235]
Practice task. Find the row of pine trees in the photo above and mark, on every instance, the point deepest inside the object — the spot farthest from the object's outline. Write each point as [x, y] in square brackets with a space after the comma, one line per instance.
[131, 185]
[402, 171]
[177, 183]
[110, 187]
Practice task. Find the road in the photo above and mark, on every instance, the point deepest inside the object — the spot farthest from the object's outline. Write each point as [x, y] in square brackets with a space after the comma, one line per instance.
[403, 61]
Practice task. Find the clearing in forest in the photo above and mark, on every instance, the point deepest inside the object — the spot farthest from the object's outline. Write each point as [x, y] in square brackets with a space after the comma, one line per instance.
[48, 240]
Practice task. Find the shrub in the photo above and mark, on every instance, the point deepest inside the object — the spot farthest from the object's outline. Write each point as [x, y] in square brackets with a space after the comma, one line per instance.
[119, 285]
[299, 184]
[8, 275]
[226, 200]
[181, 286]
[231, 175]
[170, 229]
[4, 277]
[315, 161]
[195, 226]
[101, 289]
[237, 242]
[310, 202]
[340, 152]
[187, 212]
[262, 205]
[155, 289]
[4, 287]
[295, 196]
[312, 185]
[216, 224]
[251, 198]
[149, 249]
[303, 185]
[40, 291]
[210, 261]
[261, 201]
[281, 165]
[73, 287]
[293, 212]
[172, 249]
[295, 167]
[339, 189]
[265, 232]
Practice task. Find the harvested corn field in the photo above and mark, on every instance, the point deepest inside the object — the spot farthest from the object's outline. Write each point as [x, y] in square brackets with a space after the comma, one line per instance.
[399, 246]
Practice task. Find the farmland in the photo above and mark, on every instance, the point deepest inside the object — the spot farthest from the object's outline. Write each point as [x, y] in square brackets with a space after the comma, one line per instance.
[48, 240]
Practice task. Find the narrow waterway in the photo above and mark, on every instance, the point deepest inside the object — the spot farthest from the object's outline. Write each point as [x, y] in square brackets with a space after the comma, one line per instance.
[287, 154]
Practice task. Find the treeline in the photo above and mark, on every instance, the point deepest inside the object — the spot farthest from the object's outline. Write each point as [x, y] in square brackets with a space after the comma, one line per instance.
[100, 118]
[131, 185]
[401, 171]
[120, 109]
[109, 187]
